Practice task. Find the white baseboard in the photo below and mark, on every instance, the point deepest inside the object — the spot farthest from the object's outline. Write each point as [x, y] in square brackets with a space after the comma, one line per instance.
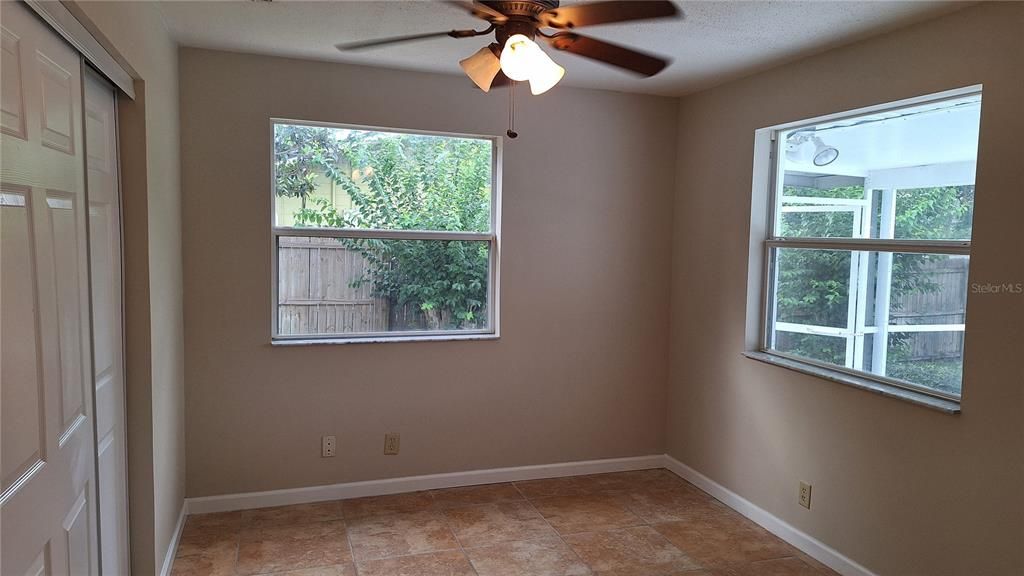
[801, 540]
[172, 546]
[247, 500]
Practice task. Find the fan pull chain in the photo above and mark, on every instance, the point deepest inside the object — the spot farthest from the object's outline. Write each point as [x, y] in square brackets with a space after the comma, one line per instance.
[512, 110]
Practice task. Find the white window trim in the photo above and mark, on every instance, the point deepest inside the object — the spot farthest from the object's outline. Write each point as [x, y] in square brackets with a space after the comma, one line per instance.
[765, 186]
[493, 237]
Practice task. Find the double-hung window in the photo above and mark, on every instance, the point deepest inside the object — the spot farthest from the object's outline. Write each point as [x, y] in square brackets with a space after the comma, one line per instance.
[383, 235]
[869, 239]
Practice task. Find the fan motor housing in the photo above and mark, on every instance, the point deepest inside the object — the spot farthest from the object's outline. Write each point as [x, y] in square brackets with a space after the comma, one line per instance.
[522, 16]
[521, 8]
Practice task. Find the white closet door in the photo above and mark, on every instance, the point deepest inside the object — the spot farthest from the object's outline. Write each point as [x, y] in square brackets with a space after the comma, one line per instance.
[48, 504]
[108, 364]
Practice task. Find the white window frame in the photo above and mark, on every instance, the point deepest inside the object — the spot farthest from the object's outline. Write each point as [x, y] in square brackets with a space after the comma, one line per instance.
[765, 214]
[492, 237]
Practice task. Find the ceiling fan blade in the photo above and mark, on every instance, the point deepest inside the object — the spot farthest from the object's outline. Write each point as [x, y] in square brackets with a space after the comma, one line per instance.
[347, 46]
[479, 10]
[613, 54]
[607, 12]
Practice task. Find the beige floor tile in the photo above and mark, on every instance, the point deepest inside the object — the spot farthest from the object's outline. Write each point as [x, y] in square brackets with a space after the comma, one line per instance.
[548, 487]
[447, 563]
[347, 569]
[482, 494]
[710, 572]
[659, 505]
[292, 547]
[389, 504]
[542, 557]
[653, 479]
[199, 540]
[496, 530]
[780, 567]
[399, 535]
[209, 563]
[587, 513]
[223, 520]
[295, 514]
[630, 552]
[491, 523]
[724, 539]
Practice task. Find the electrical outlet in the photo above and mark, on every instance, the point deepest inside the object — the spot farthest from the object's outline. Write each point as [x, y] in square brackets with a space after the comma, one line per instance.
[391, 444]
[805, 495]
[327, 446]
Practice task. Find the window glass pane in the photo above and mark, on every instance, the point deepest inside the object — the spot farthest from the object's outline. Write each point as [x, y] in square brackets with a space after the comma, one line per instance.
[933, 360]
[905, 174]
[812, 287]
[807, 212]
[903, 318]
[344, 287]
[936, 213]
[829, 349]
[328, 177]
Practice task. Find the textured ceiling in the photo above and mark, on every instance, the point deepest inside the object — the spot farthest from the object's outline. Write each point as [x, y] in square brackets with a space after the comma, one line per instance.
[713, 42]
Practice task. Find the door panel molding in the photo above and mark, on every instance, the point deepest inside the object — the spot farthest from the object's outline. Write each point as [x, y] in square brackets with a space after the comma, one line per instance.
[75, 33]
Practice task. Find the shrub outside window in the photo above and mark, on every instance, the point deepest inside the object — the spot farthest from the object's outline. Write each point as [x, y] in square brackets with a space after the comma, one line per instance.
[869, 243]
[383, 235]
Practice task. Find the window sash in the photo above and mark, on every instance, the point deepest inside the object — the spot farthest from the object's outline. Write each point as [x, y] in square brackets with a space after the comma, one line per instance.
[491, 236]
[770, 324]
[951, 247]
[866, 375]
[854, 245]
[383, 234]
[492, 284]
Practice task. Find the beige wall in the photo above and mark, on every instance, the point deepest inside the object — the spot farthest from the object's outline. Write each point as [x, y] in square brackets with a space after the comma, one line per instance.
[579, 371]
[901, 489]
[153, 298]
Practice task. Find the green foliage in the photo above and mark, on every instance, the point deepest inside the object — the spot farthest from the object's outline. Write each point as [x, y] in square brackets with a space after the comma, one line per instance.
[408, 182]
[935, 213]
[943, 374]
[301, 153]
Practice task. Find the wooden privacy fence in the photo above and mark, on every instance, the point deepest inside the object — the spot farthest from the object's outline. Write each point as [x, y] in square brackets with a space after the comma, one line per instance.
[315, 289]
[945, 305]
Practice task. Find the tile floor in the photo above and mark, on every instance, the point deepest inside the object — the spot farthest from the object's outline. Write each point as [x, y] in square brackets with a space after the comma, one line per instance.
[642, 523]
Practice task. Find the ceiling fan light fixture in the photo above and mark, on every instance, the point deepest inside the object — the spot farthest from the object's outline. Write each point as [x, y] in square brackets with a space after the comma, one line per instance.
[545, 76]
[523, 60]
[482, 67]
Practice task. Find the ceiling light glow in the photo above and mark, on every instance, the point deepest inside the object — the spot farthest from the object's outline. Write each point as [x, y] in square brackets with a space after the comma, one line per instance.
[523, 60]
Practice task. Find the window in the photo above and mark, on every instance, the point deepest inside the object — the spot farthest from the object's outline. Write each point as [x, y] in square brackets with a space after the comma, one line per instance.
[383, 235]
[869, 239]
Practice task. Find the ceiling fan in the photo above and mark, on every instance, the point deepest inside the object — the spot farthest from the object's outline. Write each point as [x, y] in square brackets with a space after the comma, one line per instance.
[517, 23]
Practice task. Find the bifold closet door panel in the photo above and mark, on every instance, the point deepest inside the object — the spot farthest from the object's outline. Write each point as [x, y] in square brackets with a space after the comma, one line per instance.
[47, 475]
[107, 332]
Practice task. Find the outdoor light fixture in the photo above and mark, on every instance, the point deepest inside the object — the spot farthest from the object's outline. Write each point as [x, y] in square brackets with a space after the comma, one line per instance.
[522, 60]
[823, 155]
[796, 149]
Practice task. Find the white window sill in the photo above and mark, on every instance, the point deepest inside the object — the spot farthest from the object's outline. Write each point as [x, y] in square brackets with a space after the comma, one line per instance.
[382, 339]
[935, 403]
